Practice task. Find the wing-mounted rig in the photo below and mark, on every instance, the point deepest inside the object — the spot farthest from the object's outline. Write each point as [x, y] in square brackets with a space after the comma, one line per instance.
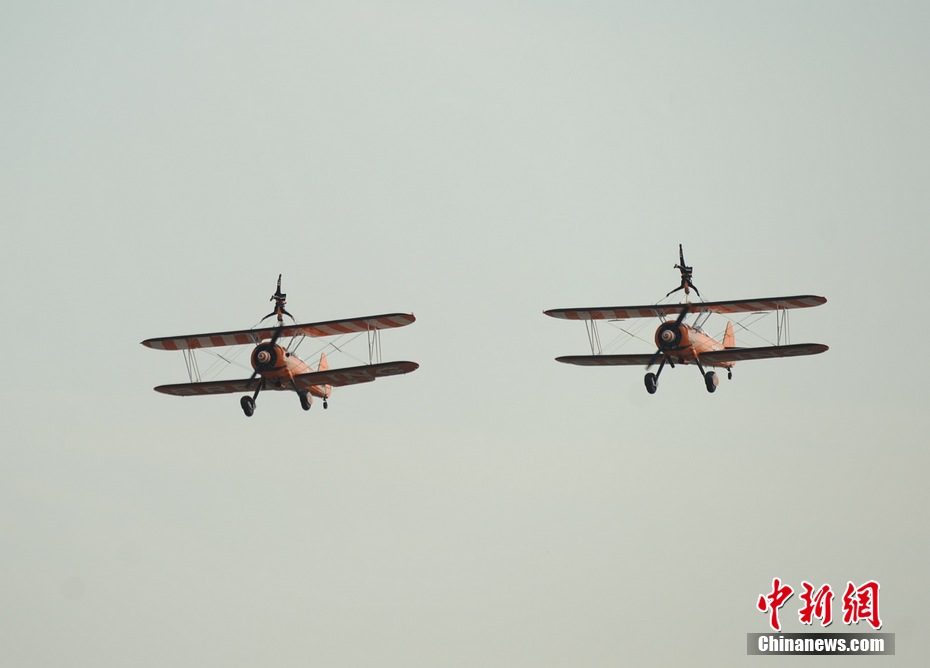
[279, 299]
[686, 272]
[277, 367]
[680, 343]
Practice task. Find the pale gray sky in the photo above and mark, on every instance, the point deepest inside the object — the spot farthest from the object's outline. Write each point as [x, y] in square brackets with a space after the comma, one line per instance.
[474, 163]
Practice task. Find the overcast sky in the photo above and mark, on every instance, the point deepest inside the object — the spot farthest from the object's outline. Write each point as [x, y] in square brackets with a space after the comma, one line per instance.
[473, 163]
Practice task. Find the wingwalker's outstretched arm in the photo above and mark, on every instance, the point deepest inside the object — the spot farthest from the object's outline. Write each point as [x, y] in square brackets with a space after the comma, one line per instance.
[686, 284]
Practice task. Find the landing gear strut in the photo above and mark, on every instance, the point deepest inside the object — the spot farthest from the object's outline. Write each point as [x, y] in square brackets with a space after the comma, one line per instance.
[652, 379]
[248, 403]
[710, 378]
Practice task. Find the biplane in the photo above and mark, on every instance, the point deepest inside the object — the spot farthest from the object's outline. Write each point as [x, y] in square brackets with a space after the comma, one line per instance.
[680, 343]
[277, 367]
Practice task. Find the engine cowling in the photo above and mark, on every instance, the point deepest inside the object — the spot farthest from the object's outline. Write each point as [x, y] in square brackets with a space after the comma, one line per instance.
[671, 336]
[268, 357]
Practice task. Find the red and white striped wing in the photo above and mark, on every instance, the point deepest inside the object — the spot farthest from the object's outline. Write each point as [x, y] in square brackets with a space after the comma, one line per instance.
[254, 336]
[660, 310]
[238, 338]
[615, 312]
[763, 304]
[336, 327]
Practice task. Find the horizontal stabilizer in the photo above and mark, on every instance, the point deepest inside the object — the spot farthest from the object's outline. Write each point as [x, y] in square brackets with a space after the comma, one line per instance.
[765, 352]
[666, 310]
[255, 336]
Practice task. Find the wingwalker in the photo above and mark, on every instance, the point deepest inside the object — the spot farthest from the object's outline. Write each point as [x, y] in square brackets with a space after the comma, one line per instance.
[276, 367]
[679, 343]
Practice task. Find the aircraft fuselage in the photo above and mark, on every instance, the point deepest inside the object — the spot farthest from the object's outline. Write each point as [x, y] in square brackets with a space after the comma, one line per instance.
[683, 344]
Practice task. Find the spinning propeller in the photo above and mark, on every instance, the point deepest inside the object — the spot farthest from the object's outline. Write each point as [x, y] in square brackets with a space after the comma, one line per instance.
[265, 355]
[669, 336]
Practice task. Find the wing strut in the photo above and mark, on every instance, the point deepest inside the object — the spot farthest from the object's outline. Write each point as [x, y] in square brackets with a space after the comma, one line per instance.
[781, 326]
[193, 371]
[374, 345]
[594, 338]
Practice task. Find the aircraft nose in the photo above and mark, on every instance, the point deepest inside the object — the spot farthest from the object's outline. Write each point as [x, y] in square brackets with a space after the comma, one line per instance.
[263, 356]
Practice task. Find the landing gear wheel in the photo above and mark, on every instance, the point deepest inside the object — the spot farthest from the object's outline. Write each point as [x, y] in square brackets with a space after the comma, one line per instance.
[248, 405]
[325, 404]
[305, 401]
[711, 380]
[652, 383]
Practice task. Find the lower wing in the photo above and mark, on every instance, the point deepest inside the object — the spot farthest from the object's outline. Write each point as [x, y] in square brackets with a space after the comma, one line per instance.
[354, 374]
[717, 356]
[606, 360]
[766, 352]
[333, 377]
[214, 387]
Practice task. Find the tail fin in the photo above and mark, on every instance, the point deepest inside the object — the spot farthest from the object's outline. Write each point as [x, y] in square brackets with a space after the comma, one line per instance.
[729, 339]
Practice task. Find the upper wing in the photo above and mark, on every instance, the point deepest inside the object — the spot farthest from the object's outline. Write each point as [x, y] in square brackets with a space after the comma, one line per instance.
[765, 352]
[214, 387]
[354, 374]
[606, 360]
[243, 336]
[659, 310]
[762, 304]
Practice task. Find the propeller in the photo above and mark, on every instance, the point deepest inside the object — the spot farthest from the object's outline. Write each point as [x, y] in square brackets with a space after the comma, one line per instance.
[267, 350]
[673, 341]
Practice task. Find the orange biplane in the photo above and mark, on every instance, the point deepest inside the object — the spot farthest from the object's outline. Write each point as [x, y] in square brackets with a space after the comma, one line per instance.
[679, 343]
[278, 368]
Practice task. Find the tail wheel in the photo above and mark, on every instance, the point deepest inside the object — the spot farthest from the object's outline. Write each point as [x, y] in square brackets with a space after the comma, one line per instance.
[325, 404]
[248, 405]
[711, 381]
[652, 383]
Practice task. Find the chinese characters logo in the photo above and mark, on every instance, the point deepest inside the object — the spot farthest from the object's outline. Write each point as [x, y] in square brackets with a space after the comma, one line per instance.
[860, 604]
